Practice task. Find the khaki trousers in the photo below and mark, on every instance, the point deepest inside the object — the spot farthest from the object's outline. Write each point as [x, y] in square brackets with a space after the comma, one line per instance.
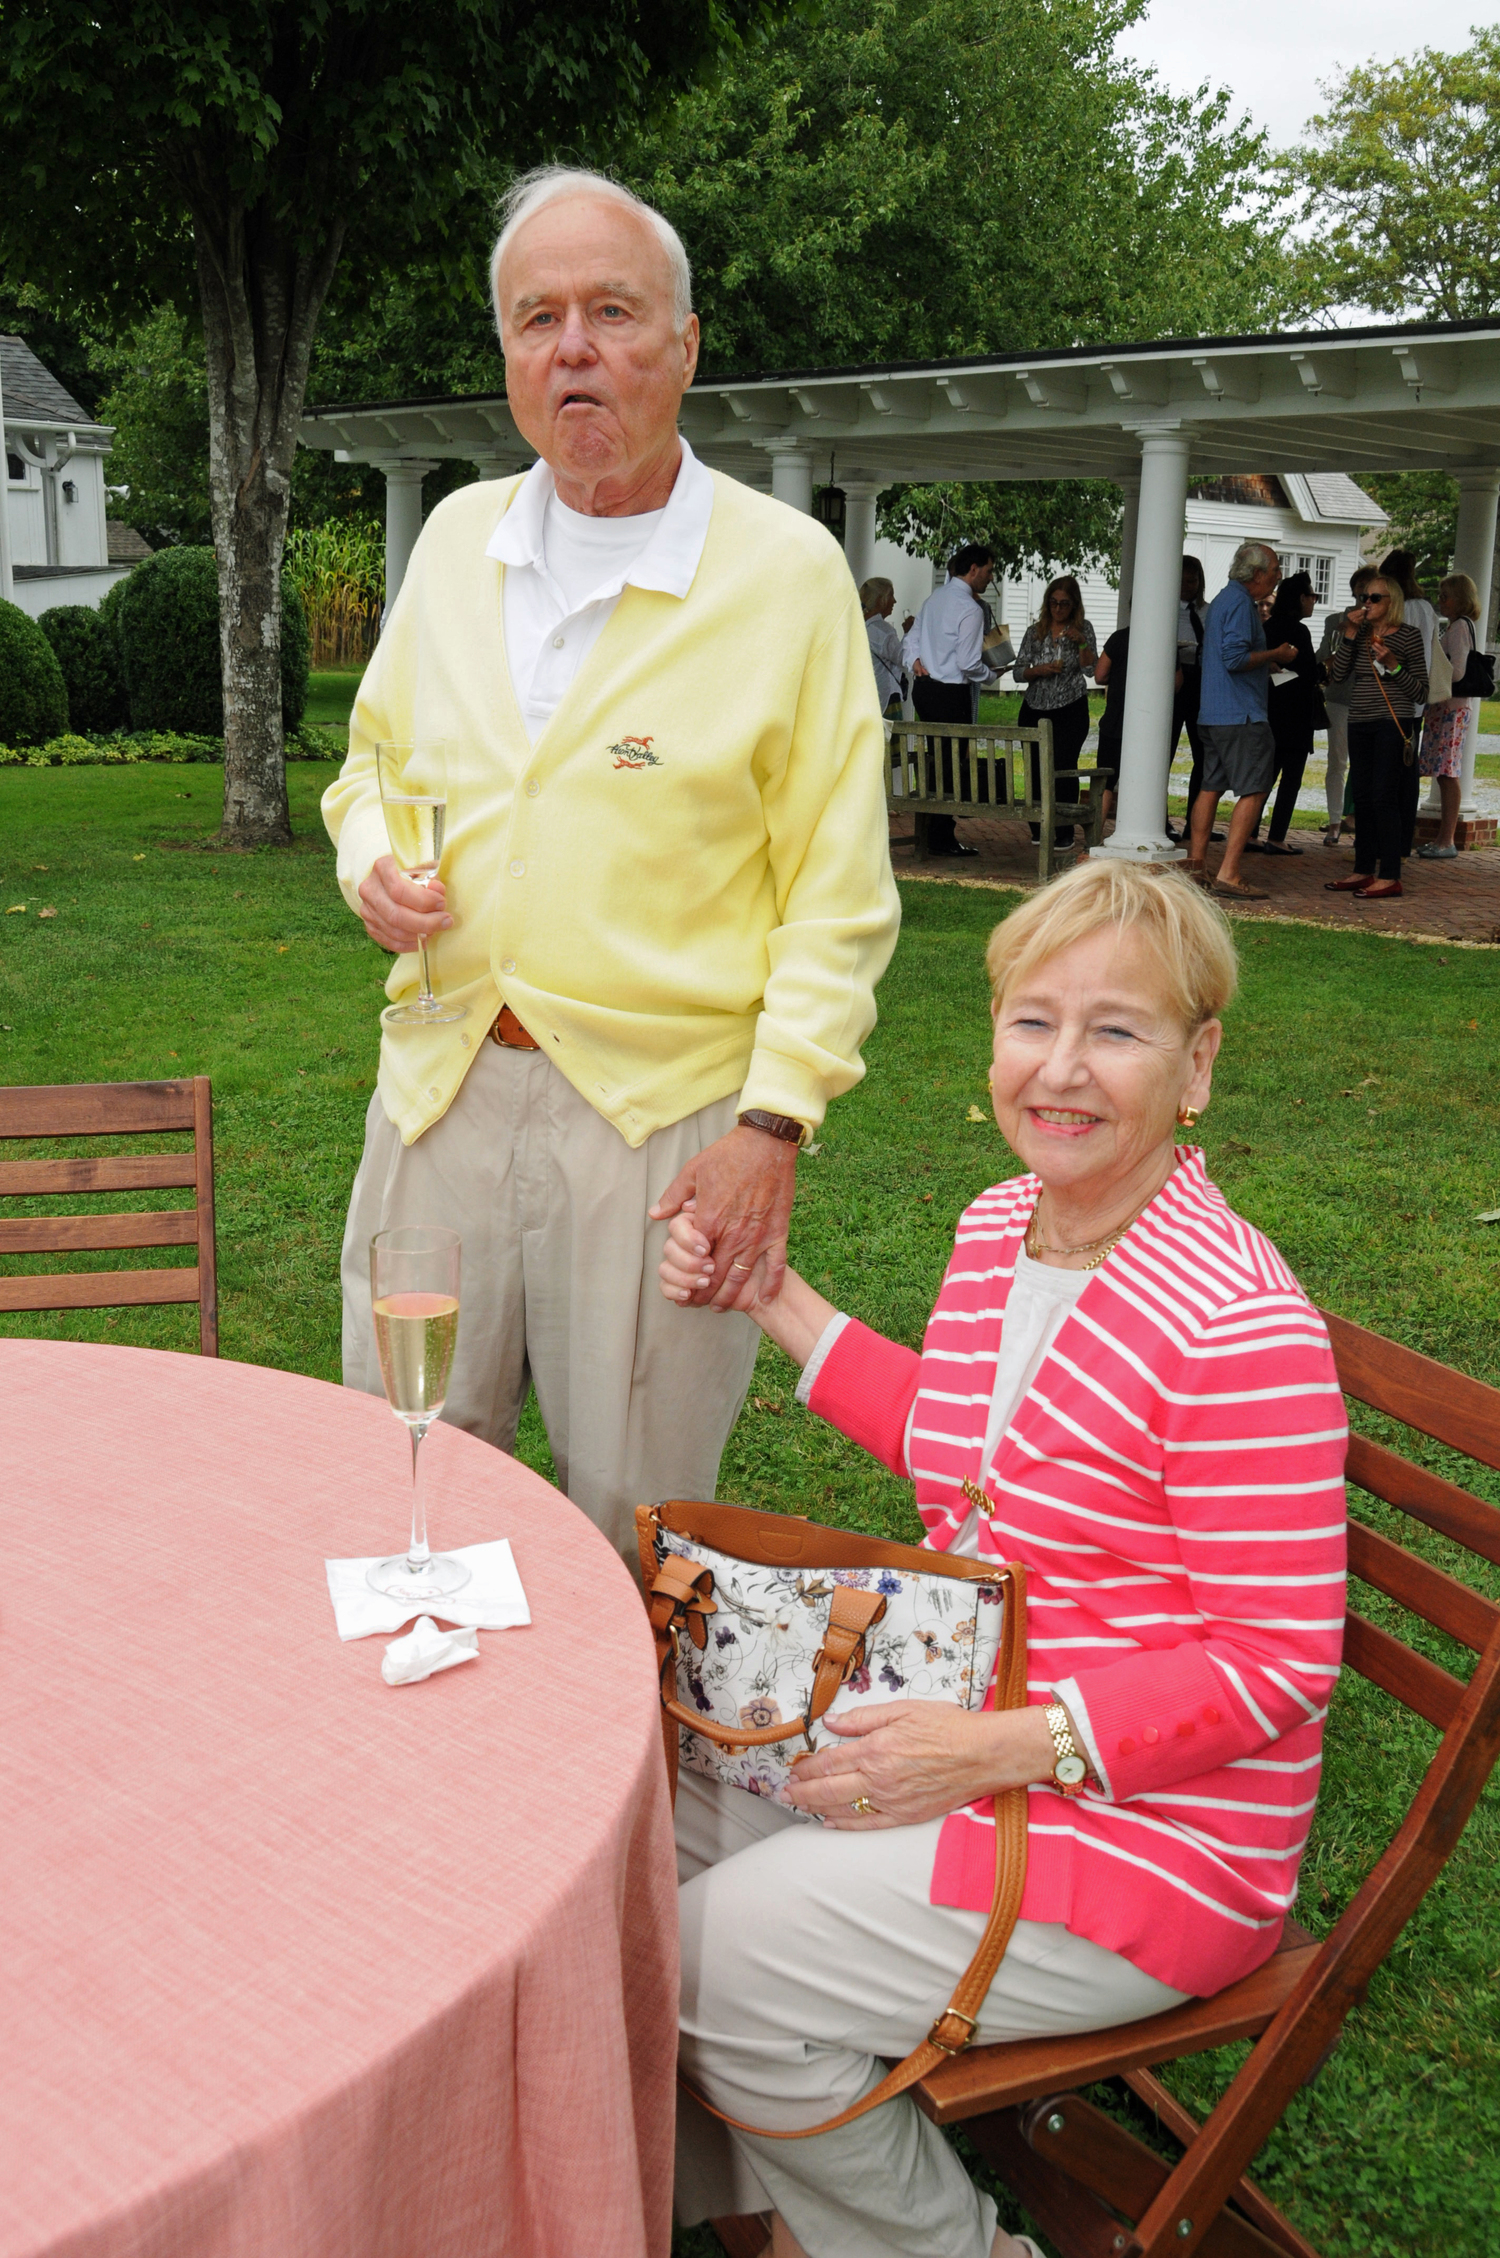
[559, 1285]
[807, 1956]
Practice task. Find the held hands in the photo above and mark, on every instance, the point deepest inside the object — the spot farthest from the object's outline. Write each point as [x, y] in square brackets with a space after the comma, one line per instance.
[397, 913]
[919, 1760]
[732, 1205]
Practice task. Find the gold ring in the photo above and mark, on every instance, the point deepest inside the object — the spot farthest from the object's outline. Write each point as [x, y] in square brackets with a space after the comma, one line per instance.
[742, 1266]
[864, 1808]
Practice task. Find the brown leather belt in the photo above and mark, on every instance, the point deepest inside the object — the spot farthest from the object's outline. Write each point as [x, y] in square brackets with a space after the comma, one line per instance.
[510, 1034]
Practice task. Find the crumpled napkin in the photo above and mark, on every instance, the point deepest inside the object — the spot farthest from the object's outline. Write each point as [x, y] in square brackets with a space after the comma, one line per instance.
[492, 1599]
[425, 1648]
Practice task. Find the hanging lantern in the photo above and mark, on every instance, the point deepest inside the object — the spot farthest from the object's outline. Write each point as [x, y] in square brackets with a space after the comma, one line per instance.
[829, 508]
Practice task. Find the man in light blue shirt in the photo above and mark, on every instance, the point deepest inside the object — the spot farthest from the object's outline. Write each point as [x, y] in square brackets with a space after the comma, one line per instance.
[1239, 752]
[944, 649]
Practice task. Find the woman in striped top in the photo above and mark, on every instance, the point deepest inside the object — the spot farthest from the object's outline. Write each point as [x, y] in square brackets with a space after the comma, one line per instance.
[1385, 658]
[1122, 1386]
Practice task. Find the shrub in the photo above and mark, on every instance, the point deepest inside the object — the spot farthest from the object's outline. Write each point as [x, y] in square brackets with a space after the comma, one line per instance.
[89, 655]
[309, 743]
[33, 695]
[168, 620]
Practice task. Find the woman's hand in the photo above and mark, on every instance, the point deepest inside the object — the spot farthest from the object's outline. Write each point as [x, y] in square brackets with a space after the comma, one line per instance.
[1354, 620]
[917, 1760]
[795, 1320]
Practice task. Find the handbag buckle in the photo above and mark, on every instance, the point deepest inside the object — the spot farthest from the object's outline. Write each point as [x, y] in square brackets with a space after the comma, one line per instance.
[952, 2046]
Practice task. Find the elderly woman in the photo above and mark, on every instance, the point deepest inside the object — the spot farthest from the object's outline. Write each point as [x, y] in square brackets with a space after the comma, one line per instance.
[1122, 1386]
[1384, 658]
[877, 600]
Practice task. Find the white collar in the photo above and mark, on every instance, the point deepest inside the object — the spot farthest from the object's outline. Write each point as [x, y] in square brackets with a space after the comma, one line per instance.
[671, 557]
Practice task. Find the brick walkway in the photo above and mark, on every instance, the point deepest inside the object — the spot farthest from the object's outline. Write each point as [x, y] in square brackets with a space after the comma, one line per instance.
[1447, 901]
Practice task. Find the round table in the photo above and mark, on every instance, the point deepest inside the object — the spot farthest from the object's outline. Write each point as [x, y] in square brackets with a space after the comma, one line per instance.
[297, 1963]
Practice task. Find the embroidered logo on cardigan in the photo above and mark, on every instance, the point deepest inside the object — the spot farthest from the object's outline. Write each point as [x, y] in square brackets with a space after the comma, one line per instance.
[635, 752]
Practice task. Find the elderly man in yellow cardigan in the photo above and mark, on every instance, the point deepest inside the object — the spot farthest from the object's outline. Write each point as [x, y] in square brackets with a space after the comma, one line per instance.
[666, 891]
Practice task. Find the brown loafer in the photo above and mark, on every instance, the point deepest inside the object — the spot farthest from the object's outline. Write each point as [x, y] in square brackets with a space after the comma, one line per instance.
[1235, 890]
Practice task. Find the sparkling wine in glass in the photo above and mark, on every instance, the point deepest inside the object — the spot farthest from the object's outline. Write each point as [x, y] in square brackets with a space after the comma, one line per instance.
[414, 799]
[414, 1274]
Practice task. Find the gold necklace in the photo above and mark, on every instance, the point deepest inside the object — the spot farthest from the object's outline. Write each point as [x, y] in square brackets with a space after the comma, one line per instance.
[1111, 1239]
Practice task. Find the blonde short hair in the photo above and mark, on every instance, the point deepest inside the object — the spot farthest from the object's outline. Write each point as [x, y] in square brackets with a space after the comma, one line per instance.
[1395, 605]
[1459, 584]
[1189, 935]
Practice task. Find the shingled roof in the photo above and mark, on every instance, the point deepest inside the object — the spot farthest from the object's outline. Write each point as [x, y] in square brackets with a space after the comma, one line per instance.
[31, 390]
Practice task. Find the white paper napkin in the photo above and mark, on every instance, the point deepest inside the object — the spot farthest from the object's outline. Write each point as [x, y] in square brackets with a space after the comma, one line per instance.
[425, 1648]
[492, 1600]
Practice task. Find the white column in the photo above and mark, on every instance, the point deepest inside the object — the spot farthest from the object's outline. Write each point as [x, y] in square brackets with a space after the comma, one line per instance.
[1141, 810]
[1130, 509]
[7, 582]
[859, 527]
[1474, 553]
[403, 516]
[791, 477]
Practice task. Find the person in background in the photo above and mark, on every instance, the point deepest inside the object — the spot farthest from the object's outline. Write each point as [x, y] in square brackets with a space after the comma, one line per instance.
[1401, 568]
[1239, 752]
[1383, 657]
[1294, 708]
[1192, 613]
[944, 654]
[1053, 666]
[1445, 726]
[1110, 670]
[877, 600]
[1336, 697]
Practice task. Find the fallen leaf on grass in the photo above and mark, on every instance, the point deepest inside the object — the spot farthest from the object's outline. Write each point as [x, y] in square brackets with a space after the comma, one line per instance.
[767, 1403]
[137, 858]
[282, 947]
[15, 908]
[39, 866]
[49, 911]
[1369, 1080]
[974, 1114]
[927, 1199]
[1490, 1215]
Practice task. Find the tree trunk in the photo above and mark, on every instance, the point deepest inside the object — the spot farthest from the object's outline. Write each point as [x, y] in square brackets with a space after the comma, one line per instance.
[261, 298]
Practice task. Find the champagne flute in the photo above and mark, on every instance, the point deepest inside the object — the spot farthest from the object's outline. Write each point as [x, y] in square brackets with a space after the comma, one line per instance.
[414, 801]
[414, 1288]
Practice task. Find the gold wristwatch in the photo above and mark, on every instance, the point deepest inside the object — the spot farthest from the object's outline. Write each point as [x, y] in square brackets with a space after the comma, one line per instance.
[1070, 1772]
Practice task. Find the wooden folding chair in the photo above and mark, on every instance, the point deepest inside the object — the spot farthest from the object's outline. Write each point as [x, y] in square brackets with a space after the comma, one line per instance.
[113, 1109]
[1095, 2189]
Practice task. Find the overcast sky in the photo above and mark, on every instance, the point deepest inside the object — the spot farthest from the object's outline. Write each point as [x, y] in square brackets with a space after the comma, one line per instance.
[1272, 54]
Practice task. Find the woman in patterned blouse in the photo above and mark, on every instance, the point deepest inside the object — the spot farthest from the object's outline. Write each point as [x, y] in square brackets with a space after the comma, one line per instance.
[1056, 658]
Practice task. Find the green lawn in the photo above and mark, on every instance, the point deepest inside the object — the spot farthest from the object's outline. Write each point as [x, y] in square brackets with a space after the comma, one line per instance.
[1355, 1117]
[330, 695]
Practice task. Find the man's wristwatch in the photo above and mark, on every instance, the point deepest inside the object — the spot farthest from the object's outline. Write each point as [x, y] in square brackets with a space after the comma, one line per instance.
[1070, 1772]
[775, 1125]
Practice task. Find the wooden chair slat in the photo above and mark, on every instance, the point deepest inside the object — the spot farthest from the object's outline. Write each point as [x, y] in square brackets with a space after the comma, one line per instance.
[1438, 1598]
[1420, 1684]
[1452, 1511]
[1184, 2126]
[100, 1289]
[116, 1172]
[1100, 2154]
[72, 1234]
[1421, 1393]
[95, 1109]
[997, 2077]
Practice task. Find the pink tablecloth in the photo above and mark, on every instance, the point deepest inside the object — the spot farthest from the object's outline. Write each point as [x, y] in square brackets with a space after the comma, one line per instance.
[296, 1964]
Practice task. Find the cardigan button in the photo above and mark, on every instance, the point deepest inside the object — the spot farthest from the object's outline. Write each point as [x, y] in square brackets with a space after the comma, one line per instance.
[1210, 1715]
[1186, 1729]
[1127, 1746]
[1151, 1736]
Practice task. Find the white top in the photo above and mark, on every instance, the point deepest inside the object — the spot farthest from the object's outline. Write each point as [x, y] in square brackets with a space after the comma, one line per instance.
[947, 635]
[885, 651]
[565, 573]
[1420, 615]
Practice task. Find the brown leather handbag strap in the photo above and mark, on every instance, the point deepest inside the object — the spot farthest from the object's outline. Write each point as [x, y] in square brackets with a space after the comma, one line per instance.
[955, 2027]
[680, 1601]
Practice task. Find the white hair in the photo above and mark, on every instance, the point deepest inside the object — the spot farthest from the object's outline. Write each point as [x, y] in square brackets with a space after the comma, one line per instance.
[549, 183]
[1252, 557]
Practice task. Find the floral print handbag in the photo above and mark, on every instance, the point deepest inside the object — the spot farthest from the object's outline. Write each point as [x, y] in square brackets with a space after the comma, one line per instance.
[766, 1624]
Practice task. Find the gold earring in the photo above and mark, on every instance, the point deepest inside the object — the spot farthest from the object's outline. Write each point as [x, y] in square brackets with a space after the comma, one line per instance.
[1189, 1116]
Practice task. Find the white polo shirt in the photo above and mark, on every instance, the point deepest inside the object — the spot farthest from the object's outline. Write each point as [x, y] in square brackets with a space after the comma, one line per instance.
[565, 573]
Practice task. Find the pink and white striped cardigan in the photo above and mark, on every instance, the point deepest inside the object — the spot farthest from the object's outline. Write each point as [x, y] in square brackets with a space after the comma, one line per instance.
[1173, 1482]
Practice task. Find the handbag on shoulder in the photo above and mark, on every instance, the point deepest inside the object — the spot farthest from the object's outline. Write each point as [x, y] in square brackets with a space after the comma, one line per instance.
[765, 1623]
[1478, 677]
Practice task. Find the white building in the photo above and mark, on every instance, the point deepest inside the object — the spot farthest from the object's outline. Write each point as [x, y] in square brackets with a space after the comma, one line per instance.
[1314, 521]
[59, 536]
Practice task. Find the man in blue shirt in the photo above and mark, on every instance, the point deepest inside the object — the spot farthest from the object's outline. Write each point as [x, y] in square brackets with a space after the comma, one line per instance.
[1239, 753]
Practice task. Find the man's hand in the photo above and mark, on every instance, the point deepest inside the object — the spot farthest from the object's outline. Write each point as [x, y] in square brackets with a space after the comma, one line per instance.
[742, 1189]
[398, 913]
[918, 668]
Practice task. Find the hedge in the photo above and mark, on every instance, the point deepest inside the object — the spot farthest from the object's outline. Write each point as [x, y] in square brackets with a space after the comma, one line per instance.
[167, 619]
[33, 695]
[88, 652]
[309, 743]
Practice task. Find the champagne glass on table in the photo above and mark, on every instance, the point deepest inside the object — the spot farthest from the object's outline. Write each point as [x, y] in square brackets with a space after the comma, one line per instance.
[414, 800]
[414, 1287]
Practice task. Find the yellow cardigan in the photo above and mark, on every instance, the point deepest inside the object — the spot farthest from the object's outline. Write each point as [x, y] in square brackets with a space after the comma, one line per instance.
[671, 929]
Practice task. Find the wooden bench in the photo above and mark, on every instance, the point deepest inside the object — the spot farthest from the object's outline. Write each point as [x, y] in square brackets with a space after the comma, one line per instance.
[1091, 2185]
[112, 1109]
[965, 769]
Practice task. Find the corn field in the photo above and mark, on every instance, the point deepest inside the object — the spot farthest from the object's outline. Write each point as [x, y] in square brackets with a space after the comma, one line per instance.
[339, 569]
